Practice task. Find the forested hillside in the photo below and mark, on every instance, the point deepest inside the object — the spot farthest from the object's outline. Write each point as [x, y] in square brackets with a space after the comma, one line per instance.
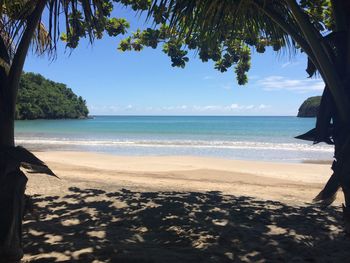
[41, 98]
[310, 106]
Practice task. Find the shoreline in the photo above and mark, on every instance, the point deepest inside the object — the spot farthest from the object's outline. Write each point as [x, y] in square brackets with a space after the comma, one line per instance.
[75, 148]
[39, 149]
[234, 137]
[321, 161]
[260, 179]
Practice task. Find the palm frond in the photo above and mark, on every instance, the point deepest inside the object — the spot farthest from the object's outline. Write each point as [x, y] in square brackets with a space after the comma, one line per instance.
[81, 18]
[41, 40]
[327, 196]
[13, 22]
[315, 136]
[28, 160]
[222, 19]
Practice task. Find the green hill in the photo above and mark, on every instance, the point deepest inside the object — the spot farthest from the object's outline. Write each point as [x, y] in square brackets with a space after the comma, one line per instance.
[310, 106]
[41, 98]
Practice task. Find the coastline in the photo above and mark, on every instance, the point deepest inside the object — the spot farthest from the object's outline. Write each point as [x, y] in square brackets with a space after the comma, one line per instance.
[230, 137]
[321, 161]
[266, 180]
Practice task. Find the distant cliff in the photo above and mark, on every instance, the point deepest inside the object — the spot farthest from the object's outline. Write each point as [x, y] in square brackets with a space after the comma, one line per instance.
[310, 106]
[41, 98]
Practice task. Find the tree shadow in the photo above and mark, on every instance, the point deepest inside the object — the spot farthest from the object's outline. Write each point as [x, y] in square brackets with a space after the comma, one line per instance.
[91, 225]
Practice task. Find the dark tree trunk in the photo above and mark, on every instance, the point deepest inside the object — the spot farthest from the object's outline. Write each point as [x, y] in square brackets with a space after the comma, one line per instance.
[341, 168]
[12, 187]
[12, 180]
[342, 130]
[12, 183]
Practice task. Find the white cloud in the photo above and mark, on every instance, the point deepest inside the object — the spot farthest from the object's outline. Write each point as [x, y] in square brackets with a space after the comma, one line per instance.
[263, 106]
[290, 64]
[233, 108]
[183, 107]
[206, 108]
[208, 77]
[272, 83]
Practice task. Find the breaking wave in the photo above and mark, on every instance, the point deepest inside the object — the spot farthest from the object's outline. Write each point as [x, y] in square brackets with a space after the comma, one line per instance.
[178, 144]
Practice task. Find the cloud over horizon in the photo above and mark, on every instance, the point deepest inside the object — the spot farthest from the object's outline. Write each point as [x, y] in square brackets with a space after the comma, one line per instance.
[272, 83]
[233, 108]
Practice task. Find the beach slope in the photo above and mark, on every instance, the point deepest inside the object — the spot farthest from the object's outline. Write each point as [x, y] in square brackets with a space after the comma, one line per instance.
[108, 208]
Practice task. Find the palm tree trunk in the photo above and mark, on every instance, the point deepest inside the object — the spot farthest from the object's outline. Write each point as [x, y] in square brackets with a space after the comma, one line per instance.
[12, 184]
[12, 188]
[6, 129]
[12, 180]
[341, 168]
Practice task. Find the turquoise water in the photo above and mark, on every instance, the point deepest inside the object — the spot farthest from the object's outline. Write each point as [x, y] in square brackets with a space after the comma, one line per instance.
[251, 138]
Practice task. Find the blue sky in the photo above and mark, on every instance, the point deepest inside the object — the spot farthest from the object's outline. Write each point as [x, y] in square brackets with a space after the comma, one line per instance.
[144, 83]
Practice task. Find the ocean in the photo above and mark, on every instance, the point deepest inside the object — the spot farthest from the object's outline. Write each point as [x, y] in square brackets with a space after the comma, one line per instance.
[230, 137]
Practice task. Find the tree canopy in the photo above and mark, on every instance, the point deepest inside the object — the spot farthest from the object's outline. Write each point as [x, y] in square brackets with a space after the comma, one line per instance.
[68, 21]
[226, 32]
[40, 98]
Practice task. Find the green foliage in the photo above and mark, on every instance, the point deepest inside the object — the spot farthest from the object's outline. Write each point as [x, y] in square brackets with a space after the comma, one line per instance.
[229, 52]
[80, 24]
[320, 13]
[40, 98]
[228, 31]
[66, 20]
[310, 107]
[222, 31]
[136, 4]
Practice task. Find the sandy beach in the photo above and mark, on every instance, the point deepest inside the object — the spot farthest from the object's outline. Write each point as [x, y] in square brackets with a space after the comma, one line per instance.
[107, 208]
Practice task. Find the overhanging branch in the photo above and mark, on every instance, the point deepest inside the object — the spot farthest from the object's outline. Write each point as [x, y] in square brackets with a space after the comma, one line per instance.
[275, 17]
[286, 27]
[330, 74]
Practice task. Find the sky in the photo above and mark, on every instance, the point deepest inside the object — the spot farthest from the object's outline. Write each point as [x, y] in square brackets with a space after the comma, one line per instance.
[145, 83]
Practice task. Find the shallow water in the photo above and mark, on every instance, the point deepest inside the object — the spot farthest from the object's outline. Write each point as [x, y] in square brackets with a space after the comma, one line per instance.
[233, 137]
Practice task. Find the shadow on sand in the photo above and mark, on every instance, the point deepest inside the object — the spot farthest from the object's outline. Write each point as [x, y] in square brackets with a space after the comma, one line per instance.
[90, 225]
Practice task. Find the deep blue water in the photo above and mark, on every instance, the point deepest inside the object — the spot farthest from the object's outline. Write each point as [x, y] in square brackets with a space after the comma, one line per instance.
[253, 138]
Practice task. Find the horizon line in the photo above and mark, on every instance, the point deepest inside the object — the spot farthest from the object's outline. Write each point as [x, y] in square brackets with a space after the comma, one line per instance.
[155, 115]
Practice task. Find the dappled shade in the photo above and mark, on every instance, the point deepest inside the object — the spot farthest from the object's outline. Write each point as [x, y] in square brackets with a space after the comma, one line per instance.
[127, 226]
